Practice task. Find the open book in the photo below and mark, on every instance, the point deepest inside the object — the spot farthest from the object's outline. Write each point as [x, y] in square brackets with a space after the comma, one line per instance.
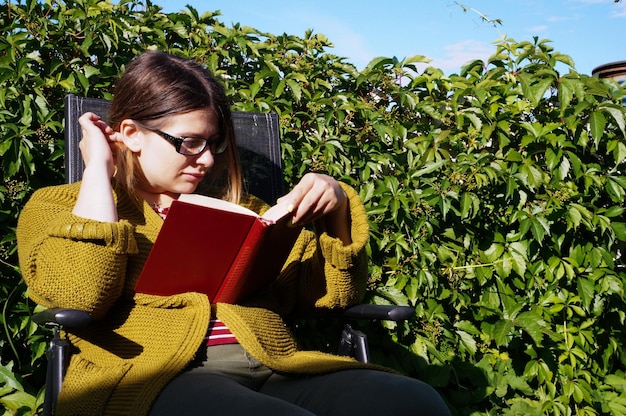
[217, 248]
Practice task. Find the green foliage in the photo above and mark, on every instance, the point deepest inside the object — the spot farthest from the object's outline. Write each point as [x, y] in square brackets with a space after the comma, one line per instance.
[495, 195]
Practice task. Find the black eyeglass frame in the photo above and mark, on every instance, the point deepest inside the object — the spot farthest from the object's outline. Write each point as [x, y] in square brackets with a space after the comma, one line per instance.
[219, 144]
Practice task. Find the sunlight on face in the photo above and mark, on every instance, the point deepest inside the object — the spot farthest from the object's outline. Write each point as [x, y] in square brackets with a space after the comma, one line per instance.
[167, 171]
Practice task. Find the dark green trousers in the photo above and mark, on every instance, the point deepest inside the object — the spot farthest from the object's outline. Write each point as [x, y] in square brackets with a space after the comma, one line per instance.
[228, 381]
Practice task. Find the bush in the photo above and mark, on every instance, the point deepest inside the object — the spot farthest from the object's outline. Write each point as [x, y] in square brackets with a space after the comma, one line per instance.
[495, 195]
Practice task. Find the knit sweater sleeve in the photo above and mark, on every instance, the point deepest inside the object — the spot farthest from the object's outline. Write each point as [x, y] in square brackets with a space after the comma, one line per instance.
[335, 276]
[320, 272]
[70, 261]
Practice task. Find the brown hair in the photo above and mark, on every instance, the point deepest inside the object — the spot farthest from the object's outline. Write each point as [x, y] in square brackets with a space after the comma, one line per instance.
[156, 85]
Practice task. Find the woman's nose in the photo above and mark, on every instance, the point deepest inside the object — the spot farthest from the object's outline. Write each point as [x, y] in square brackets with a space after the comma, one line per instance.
[206, 158]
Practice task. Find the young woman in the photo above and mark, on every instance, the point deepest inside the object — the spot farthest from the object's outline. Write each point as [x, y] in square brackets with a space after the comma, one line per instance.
[83, 245]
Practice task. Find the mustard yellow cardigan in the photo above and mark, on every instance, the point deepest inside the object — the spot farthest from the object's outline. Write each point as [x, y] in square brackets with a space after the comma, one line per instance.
[140, 342]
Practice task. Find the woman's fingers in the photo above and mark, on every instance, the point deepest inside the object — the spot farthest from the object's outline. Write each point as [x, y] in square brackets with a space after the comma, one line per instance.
[314, 196]
[98, 142]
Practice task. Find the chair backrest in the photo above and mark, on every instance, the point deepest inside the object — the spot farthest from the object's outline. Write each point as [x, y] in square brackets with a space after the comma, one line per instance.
[257, 134]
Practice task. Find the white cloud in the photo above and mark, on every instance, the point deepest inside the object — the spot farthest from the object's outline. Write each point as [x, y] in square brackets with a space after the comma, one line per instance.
[459, 54]
[349, 44]
[557, 19]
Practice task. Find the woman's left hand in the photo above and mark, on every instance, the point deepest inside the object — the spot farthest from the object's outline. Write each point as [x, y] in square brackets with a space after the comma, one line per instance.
[317, 196]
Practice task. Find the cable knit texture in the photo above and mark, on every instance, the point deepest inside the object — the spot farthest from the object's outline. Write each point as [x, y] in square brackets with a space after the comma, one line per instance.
[138, 342]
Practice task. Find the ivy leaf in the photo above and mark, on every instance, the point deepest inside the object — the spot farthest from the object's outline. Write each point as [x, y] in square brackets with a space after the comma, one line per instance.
[564, 168]
[567, 87]
[597, 122]
[617, 112]
[295, 88]
[532, 323]
[8, 379]
[540, 228]
[615, 187]
[467, 341]
[517, 252]
[494, 252]
[619, 228]
[586, 291]
[614, 211]
[619, 153]
[18, 400]
[534, 90]
[429, 168]
[466, 204]
[501, 331]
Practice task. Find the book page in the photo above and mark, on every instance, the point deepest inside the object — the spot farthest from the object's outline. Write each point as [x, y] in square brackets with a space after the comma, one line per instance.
[272, 215]
[208, 201]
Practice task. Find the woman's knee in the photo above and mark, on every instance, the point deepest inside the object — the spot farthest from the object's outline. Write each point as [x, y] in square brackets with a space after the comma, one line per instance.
[362, 392]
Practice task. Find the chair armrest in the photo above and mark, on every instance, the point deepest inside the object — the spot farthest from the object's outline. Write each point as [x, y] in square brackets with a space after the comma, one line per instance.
[69, 318]
[55, 318]
[353, 342]
[74, 318]
[380, 312]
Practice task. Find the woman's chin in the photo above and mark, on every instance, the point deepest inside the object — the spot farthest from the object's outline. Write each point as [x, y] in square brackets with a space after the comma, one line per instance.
[187, 188]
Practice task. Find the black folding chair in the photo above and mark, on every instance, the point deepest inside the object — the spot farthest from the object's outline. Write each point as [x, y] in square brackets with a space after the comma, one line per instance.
[258, 141]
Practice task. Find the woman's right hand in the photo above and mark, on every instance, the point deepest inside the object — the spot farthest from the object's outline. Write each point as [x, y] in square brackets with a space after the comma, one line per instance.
[97, 146]
[98, 143]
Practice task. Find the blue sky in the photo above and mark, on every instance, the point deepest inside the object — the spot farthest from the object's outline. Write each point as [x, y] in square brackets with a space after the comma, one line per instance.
[592, 32]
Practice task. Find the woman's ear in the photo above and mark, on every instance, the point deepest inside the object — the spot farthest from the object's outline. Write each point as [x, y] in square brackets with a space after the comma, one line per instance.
[131, 135]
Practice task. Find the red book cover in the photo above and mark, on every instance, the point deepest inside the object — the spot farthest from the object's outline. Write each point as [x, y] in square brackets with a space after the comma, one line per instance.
[222, 250]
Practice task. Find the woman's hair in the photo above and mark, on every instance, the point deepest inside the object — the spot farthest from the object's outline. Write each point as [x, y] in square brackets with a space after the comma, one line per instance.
[156, 85]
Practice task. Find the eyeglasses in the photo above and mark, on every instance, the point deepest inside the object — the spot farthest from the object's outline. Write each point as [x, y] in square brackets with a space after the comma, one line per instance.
[191, 146]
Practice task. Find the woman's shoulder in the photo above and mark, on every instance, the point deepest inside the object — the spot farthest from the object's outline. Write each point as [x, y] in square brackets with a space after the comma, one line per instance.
[253, 203]
[56, 193]
[45, 203]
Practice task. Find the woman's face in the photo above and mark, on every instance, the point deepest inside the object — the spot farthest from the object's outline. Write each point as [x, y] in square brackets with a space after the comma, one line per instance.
[167, 171]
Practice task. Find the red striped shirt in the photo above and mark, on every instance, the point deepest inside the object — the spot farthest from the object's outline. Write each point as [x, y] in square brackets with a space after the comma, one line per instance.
[219, 334]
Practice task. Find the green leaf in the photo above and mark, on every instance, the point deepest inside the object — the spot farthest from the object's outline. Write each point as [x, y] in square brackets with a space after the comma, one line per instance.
[597, 123]
[18, 400]
[429, 168]
[617, 112]
[280, 88]
[466, 204]
[619, 153]
[566, 91]
[501, 331]
[586, 291]
[494, 252]
[295, 88]
[564, 168]
[540, 228]
[619, 228]
[534, 89]
[467, 341]
[518, 256]
[616, 188]
[532, 323]
[614, 211]
[91, 71]
[7, 377]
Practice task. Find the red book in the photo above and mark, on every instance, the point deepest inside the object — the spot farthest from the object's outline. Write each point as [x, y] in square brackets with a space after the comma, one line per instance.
[221, 249]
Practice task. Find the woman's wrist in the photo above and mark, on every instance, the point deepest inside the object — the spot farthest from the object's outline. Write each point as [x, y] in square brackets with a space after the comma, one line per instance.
[95, 198]
[338, 222]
